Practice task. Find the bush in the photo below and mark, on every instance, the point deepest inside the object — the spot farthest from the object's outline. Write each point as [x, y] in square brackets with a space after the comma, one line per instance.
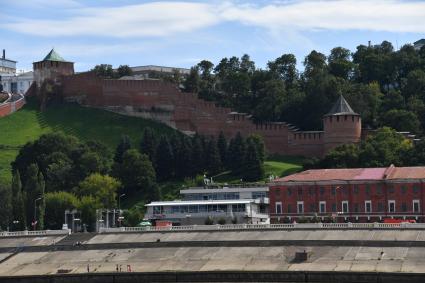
[209, 221]
[234, 220]
[221, 221]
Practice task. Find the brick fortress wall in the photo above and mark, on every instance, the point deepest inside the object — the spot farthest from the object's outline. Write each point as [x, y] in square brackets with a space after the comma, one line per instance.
[164, 102]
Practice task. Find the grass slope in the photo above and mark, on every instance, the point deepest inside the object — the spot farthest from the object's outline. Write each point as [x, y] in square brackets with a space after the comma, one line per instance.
[86, 123]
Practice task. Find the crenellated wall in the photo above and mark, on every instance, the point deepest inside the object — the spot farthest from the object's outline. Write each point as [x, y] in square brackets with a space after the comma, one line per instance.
[164, 102]
[8, 108]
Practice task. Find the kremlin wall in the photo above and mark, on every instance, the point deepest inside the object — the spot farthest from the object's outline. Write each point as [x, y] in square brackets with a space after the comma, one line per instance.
[164, 102]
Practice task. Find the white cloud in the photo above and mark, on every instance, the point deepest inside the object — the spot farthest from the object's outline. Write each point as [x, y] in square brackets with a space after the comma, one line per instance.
[160, 19]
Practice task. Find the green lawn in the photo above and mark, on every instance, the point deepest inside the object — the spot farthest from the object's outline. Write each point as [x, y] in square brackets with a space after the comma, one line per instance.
[85, 123]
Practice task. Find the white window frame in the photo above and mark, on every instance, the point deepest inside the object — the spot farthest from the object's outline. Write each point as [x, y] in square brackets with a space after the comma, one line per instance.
[419, 205]
[298, 206]
[279, 203]
[320, 206]
[345, 202]
[366, 202]
[389, 206]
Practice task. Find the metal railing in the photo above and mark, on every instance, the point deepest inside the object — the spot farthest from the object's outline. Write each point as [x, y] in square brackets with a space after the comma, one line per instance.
[36, 233]
[293, 226]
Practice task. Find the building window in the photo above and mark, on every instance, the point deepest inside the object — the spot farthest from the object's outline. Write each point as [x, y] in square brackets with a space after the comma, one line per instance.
[312, 207]
[322, 206]
[322, 190]
[289, 190]
[334, 207]
[416, 189]
[300, 191]
[278, 207]
[403, 207]
[334, 191]
[380, 207]
[356, 189]
[345, 206]
[289, 208]
[311, 191]
[390, 188]
[300, 207]
[367, 190]
[368, 206]
[379, 189]
[416, 206]
[403, 189]
[356, 207]
[391, 206]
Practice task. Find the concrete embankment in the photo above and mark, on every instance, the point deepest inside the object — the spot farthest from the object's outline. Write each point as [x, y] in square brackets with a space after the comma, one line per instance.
[223, 276]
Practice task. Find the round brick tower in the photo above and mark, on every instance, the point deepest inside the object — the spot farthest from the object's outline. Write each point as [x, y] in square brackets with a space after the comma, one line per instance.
[341, 125]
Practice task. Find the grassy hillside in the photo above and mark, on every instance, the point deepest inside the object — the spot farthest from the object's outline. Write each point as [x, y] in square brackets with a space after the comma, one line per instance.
[28, 124]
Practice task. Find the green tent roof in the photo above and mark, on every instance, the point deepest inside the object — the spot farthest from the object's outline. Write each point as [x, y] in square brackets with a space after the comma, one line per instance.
[341, 107]
[53, 56]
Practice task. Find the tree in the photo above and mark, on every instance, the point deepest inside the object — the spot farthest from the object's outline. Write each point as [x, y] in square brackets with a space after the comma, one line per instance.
[197, 156]
[271, 100]
[41, 208]
[5, 206]
[122, 147]
[315, 64]
[259, 145]
[383, 148]
[213, 157]
[340, 64]
[87, 207]
[164, 158]
[253, 169]
[284, 68]
[34, 190]
[149, 144]
[124, 70]
[222, 148]
[191, 84]
[102, 187]
[237, 151]
[401, 120]
[56, 204]
[103, 71]
[183, 158]
[344, 156]
[138, 176]
[18, 202]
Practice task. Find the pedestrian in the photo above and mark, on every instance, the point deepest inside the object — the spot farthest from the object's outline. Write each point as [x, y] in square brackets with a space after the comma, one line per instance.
[116, 268]
[88, 268]
[120, 267]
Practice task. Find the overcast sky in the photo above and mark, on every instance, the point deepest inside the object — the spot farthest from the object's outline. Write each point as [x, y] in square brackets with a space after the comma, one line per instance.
[181, 33]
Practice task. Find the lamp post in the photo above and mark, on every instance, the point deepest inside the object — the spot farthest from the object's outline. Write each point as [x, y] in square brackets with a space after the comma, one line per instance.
[35, 212]
[119, 201]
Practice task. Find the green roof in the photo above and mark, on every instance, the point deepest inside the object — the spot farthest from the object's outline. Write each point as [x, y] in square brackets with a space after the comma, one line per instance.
[341, 107]
[53, 56]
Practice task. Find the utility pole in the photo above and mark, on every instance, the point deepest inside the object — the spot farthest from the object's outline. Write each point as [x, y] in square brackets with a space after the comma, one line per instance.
[35, 212]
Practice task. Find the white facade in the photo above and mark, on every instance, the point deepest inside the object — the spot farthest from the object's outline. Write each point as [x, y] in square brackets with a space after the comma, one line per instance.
[223, 193]
[17, 83]
[197, 212]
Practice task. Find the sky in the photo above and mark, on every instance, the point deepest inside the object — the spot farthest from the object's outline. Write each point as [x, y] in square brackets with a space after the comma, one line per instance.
[182, 33]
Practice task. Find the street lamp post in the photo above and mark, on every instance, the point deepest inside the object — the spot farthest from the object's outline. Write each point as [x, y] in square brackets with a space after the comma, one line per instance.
[119, 201]
[35, 212]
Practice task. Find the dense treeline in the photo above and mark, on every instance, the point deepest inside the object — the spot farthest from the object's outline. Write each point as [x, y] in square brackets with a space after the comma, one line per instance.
[385, 86]
[58, 172]
[379, 149]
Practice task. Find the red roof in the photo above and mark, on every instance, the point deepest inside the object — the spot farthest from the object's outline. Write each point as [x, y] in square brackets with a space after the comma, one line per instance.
[391, 172]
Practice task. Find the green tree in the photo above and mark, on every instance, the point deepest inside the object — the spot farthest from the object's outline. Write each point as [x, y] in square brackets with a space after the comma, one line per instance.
[122, 147]
[103, 71]
[192, 82]
[33, 190]
[18, 202]
[124, 70]
[222, 148]
[237, 151]
[184, 158]
[138, 176]
[102, 187]
[258, 141]
[197, 156]
[56, 204]
[284, 68]
[339, 62]
[41, 208]
[344, 156]
[5, 206]
[164, 159]
[87, 207]
[212, 157]
[383, 148]
[149, 144]
[253, 168]
[401, 120]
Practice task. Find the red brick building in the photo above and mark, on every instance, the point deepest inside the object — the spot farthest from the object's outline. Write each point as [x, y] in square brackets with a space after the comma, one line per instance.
[355, 195]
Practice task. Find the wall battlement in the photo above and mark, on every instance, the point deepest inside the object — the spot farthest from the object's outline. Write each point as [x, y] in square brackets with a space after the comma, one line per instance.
[163, 101]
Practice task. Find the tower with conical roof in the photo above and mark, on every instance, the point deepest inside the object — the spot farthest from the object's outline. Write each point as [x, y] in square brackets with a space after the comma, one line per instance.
[341, 125]
[51, 67]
